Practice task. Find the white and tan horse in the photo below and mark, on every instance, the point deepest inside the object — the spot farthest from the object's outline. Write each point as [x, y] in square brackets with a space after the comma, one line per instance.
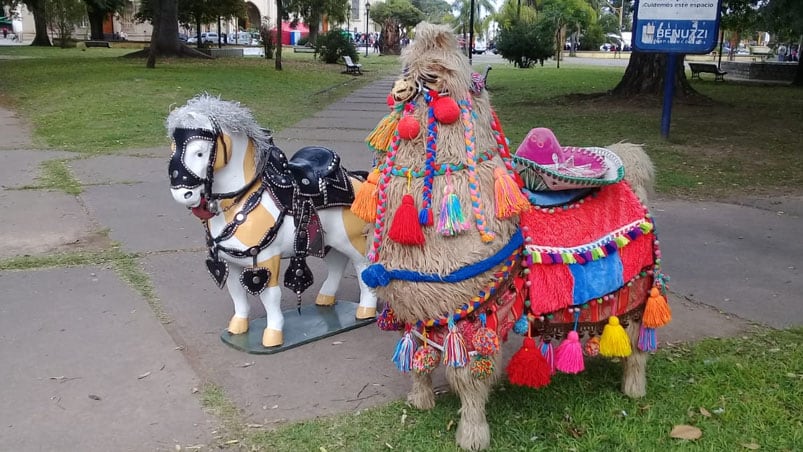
[226, 169]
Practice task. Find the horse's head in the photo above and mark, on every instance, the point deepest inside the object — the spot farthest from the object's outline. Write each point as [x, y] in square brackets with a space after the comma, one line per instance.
[206, 133]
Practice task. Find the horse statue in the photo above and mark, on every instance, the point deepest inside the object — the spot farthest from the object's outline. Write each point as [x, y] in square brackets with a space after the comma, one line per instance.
[470, 242]
[258, 207]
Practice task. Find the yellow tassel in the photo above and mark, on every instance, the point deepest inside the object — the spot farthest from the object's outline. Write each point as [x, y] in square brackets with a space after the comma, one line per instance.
[614, 341]
[509, 198]
[657, 312]
[379, 139]
[364, 205]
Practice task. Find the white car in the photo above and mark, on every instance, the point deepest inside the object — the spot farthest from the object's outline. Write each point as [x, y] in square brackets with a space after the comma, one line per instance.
[479, 48]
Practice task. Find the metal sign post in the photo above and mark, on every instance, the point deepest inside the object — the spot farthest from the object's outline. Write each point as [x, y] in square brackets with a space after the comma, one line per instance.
[675, 27]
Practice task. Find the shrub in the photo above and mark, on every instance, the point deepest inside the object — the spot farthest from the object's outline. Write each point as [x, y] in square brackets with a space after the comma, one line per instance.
[524, 43]
[333, 46]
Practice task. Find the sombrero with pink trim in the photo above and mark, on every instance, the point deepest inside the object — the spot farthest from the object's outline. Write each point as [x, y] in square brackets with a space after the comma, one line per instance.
[546, 165]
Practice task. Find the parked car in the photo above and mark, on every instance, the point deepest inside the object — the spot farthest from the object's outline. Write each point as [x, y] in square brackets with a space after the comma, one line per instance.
[479, 48]
[242, 38]
[209, 37]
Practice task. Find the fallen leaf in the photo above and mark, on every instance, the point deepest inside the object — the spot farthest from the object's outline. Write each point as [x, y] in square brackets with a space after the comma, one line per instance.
[751, 446]
[404, 417]
[705, 412]
[322, 449]
[140, 377]
[195, 390]
[719, 410]
[388, 446]
[337, 342]
[94, 397]
[233, 441]
[254, 425]
[248, 364]
[449, 425]
[686, 432]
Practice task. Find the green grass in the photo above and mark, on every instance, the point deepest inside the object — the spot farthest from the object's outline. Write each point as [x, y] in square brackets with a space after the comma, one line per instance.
[56, 174]
[750, 391]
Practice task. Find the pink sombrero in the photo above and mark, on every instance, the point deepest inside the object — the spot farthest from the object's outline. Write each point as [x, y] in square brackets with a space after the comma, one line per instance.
[546, 165]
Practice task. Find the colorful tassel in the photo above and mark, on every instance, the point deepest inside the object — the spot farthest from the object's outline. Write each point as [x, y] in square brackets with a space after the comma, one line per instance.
[481, 367]
[549, 354]
[425, 360]
[455, 353]
[569, 355]
[405, 228]
[614, 341]
[451, 220]
[365, 201]
[387, 320]
[591, 349]
[527, 367]
[510, 200]
[647, 341]
[485, 341]
[657, 312]
[403, 356]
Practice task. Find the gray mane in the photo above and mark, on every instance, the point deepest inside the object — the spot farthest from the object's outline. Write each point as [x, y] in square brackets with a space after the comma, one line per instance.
[229, 117]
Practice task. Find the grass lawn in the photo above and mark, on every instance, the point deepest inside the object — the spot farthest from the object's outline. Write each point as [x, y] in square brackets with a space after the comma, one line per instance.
[743, 393]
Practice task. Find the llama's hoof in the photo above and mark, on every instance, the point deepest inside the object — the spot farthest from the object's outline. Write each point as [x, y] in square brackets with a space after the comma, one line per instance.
[473, 436]
[324, 300]
[365, 313]
[272, 338]
[423, 400]
[238, 325]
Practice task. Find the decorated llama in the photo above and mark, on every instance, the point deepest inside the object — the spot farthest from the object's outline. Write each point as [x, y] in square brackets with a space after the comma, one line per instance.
[462, 256]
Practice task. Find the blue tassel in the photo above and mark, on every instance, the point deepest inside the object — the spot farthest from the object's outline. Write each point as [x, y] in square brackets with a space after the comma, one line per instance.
[521, 326]
[403, 356]
[647, 341]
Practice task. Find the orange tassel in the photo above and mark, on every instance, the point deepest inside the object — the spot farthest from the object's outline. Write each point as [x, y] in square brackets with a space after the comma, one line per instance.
[405, 228]
[509, 198]
[379, 139]
[365, 201]
[656, 312]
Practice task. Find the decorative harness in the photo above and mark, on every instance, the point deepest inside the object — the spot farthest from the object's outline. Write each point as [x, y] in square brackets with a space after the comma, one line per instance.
[311, 180]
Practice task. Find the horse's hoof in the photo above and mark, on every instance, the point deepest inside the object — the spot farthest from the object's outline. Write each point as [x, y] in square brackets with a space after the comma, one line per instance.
[238, 325]
[272, 338]
[324, 300]
[365, 313]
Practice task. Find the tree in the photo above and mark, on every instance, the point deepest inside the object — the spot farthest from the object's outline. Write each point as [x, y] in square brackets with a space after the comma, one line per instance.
[785, 17]
[193, 12]
[62, 16]
[313, 12]
[646, 73]
[463, 8]
[164, 36]
[435, 11]
[527, 42]
[738, 17]
[39, 10]
[394, 15]
[98, 11]
[566, 14]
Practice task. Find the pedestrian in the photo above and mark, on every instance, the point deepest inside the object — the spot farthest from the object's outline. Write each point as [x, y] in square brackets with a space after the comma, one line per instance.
[377, 46]
[5, 32]
[782, 53]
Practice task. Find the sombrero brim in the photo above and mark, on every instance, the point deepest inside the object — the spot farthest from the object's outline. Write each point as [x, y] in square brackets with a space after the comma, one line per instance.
[576, 167]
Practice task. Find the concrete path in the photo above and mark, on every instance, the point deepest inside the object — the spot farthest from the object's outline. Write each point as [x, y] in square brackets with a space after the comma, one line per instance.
[89, 366]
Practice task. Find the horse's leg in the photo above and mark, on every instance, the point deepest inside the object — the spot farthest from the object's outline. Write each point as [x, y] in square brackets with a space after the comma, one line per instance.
[421, 394]
[367, 308]
[473, 432]
[271, 298]
[336, 266]
[239, 321]
[634, 375]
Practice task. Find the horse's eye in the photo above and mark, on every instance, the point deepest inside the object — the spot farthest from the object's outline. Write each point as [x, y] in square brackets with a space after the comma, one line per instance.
[200, 154]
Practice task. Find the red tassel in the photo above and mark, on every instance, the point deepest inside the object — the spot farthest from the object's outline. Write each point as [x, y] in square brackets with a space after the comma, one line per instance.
[405, 228]
[528, 367]
[569, 355]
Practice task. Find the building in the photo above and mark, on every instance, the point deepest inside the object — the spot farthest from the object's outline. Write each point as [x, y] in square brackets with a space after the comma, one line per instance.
[122, 23]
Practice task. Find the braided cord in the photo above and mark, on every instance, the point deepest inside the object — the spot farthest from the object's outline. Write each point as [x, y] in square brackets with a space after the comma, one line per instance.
[473, 186]
[425, 216]
[381, 205]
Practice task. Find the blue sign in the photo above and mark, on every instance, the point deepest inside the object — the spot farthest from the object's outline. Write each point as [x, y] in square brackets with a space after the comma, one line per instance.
[676, 26]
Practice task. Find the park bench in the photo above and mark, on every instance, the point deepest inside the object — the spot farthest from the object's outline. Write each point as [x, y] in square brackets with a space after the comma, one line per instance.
[698, 68]
[97, 44]
[303, 49]
[351, 66]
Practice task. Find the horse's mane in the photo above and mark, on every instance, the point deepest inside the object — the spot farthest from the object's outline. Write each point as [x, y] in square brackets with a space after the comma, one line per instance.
[227, 115]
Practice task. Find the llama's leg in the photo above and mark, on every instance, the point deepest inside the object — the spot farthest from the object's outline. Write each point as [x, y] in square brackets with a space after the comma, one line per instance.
[421, 394]
[634, 375]
[239, 321]
[336, 266]
[271, 299]
[473, 432]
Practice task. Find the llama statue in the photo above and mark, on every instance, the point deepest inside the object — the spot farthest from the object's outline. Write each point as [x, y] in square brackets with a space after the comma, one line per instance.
[463, 254]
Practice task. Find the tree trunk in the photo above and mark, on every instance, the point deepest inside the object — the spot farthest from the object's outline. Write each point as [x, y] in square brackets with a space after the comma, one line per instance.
[279, 17]
[95, 24]
[37, 8]
[164, 38]
[645, 75]
[391, 38]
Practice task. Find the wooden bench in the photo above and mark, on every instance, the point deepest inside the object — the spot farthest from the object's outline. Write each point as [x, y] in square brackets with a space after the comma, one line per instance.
[97, 44]
[303, 49]
[351, 67]
[698, 68]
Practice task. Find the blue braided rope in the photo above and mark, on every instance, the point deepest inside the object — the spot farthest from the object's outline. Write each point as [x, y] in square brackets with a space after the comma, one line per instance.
[425, 216]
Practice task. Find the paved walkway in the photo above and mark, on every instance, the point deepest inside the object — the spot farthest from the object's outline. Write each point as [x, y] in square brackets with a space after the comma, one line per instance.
[88, 366]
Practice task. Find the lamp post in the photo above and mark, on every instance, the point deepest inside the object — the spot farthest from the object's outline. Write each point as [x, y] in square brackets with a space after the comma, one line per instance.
[367, 9]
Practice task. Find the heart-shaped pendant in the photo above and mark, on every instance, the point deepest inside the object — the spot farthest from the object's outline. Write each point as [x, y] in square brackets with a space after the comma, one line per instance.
[219, 271]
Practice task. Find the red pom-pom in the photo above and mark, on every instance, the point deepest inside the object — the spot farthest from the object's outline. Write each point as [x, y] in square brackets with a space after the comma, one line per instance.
[446, 110]
[391, 102]
[408, 128]
[528, 367]
[405, 228]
